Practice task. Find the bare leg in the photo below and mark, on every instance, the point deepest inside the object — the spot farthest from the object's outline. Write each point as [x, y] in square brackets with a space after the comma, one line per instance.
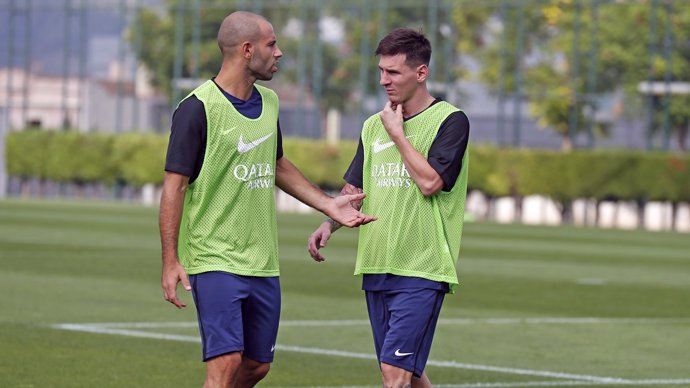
[221, 370]
[394, 377]
[250, 373]
[421, 382]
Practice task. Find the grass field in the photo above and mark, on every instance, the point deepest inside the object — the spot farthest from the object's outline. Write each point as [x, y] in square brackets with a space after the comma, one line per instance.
[81, 306]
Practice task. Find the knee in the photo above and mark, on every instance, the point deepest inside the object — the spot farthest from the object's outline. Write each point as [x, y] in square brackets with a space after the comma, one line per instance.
[221, 370]
[394, 377]
[255, 371]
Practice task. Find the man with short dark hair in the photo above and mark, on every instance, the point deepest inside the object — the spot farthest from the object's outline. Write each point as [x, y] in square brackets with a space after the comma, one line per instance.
[224, 158]
[412, 161]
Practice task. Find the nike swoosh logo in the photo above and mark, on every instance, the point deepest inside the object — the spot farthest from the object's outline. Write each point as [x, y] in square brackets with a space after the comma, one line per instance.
[243, 147]
[378, 146]
[226, 131]
[273, 348]
[397, 353]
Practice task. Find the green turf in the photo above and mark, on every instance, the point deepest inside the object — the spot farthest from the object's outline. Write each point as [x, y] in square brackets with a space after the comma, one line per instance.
[68, 262]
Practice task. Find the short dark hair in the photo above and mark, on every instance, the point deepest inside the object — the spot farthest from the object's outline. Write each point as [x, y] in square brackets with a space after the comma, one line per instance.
[413, 44]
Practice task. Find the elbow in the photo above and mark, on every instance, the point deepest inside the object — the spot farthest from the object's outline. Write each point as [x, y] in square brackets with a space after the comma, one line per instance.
[430, 188]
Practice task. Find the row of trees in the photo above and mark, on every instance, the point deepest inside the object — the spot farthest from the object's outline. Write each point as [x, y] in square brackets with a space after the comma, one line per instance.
[82, 159]
[566, 58]
[138, 159]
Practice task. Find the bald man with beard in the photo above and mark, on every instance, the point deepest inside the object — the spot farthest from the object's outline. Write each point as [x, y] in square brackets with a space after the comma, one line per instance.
[217, 213]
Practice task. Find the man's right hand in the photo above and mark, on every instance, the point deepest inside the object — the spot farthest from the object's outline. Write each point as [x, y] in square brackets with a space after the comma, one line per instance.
[318, 240]
[174, 273]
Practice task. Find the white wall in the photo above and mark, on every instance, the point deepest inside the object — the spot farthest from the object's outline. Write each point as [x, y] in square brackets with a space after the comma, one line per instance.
[3, 171]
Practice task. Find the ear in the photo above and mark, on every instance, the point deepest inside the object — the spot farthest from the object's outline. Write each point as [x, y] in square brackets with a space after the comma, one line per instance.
[247, 50]
[422, 73]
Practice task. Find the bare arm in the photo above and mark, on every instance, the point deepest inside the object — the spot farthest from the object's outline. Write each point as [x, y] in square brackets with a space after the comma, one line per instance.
[172, 199]
[291, 180]
[426, 178]
[320, 237]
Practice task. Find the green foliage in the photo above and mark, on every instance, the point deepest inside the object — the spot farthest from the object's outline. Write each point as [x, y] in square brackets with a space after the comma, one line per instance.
[92, 164]
[320, 162]
[603, 174]
[139, 159]
[25, 153]
[574, 51]
[86, 157]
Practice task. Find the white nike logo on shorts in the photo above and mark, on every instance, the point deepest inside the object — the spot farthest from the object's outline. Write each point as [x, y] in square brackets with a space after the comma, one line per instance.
[243, 147]
[397, 353]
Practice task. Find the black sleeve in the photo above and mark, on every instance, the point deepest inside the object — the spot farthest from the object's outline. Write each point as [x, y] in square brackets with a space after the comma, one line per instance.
[279, 149]
[187, 139]
[448, 149]
[354, 173]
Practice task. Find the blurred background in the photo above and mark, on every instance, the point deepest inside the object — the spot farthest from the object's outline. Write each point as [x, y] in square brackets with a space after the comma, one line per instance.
[579, 109]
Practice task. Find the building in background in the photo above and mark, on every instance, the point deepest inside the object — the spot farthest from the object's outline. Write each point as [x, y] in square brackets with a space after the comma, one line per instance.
[114, 104]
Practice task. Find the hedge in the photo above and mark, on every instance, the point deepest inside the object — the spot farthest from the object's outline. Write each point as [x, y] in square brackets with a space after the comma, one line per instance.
[138, 159]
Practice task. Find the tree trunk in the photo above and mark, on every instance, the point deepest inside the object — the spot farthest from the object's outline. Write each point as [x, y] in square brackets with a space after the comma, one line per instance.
[641, 203]
[682, 130]
[566, 144]
[567, 212]
[518, 208]
[674, 212]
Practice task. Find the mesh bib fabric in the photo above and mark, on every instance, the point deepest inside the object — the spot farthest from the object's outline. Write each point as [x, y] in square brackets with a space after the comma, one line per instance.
[229, 218]
[414, 235]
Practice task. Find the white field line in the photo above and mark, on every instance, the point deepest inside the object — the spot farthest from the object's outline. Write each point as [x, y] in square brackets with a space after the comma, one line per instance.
[442, 321]
[458, 365]
[124, 329]
[533, 384]
[338, 353]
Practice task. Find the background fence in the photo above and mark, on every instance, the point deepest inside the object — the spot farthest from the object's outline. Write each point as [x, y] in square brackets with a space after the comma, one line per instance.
[532, 73]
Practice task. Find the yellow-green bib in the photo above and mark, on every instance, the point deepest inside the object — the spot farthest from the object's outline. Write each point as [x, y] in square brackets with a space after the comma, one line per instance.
[414, 235]
[229, 218]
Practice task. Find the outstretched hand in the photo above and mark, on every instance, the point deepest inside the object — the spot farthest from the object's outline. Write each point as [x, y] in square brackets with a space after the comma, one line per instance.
[342, 211]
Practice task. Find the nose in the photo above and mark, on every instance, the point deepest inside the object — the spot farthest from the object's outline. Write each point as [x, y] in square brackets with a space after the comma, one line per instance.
[384, 79]
[278, 53]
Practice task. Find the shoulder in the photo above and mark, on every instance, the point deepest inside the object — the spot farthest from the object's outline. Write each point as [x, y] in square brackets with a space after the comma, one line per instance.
[264, 91]
[457, 118]
[451, 116]
[190, 107]
[373, 119]
[455, 129]
[267, 95]
[370, 124]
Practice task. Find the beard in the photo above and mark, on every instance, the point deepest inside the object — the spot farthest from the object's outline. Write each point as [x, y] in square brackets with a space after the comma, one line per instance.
[263, 76]
[262, 72]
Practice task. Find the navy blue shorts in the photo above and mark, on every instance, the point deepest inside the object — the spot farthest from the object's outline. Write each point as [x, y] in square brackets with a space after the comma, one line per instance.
[237, 314]
[403, 323]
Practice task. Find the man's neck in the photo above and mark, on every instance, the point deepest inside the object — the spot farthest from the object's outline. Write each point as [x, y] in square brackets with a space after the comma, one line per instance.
[419, 102]
[238, 84]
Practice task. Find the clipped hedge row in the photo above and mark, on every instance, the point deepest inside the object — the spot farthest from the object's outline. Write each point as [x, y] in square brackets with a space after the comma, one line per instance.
[84, 158]
[598, 174]
[139, 158]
